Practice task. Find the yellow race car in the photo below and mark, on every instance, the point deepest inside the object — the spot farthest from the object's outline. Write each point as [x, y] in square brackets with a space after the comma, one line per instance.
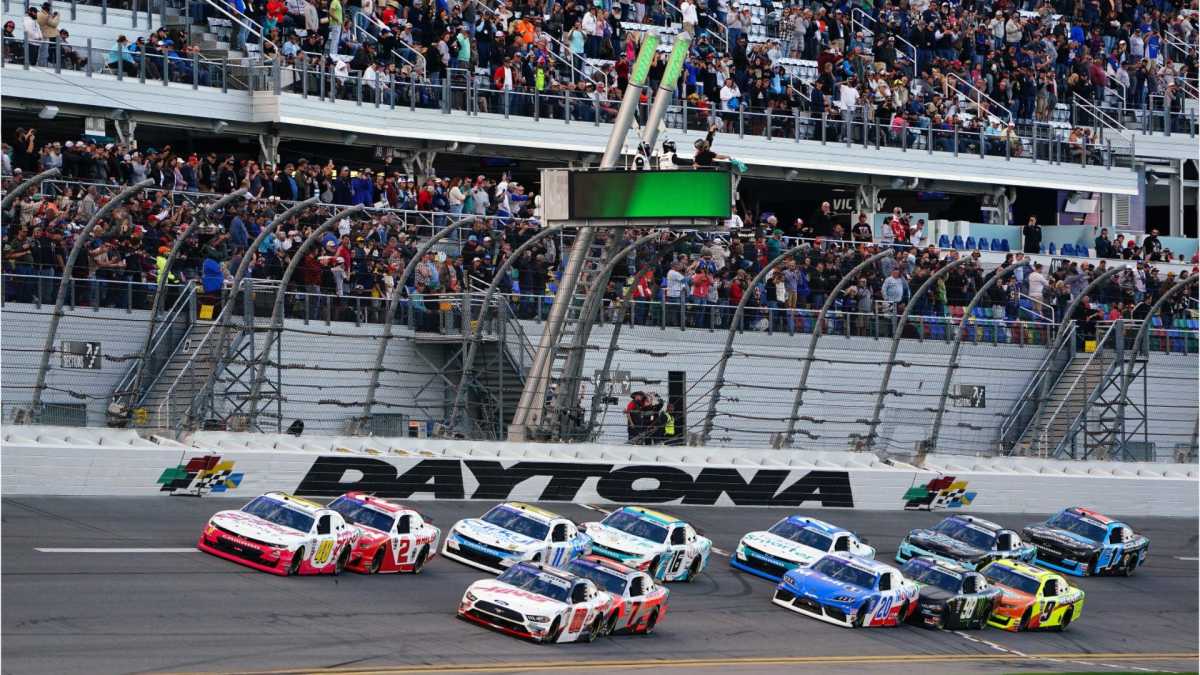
[1032, 598]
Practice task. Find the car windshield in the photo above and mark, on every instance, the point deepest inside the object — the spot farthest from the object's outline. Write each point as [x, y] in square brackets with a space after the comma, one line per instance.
[279, 513]
[801, 534]
[1004, 576]
[540, 583]
[360, 514]
[840, 570]
[606, 579]
[1076, 525]
[638, 527]
[512, 519]
[932, 575]
[966, 533]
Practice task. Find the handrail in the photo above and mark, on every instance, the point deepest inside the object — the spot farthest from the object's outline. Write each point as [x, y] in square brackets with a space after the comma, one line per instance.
[189, 297]
[1098, 114]
[724, 37]
[1076, 422]
[856, 11]
[244, 21]
[1030, 395]
[164, 327]
[979, 94]
[559, 55]
[1110, 80]
[380, 25]
[187, 369]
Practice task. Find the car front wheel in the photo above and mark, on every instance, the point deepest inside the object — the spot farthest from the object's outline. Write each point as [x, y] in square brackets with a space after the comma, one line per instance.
[294, 566]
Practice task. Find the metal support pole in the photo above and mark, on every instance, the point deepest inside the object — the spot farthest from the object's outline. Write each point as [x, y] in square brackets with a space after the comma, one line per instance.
[390, 312]
[958, 333]
[81, 240]
[195, 409]
[277, 312]
[899, 331]
[818, 330]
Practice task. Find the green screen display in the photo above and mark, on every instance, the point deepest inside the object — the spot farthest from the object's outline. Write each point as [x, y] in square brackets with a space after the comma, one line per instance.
[650, 194]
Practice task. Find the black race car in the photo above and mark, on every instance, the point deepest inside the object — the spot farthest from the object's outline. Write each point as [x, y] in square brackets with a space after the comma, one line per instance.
[967, 540]
[952, 596]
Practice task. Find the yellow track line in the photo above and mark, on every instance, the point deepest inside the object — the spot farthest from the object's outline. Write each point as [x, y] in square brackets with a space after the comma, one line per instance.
[747, 661]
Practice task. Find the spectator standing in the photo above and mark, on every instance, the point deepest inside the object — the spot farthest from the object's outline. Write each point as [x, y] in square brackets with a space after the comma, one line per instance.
[1031, 236]
[47, 21]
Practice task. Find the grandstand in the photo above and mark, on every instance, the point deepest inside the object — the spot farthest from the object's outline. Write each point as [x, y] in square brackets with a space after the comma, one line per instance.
[337, 219]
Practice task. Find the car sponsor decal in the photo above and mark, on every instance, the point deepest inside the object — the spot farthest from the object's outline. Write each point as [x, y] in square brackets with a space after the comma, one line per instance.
[446, 479]
[199, 476]
[943, 492]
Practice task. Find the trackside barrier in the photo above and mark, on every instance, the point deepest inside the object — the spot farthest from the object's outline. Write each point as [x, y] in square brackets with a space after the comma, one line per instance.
[65, 461]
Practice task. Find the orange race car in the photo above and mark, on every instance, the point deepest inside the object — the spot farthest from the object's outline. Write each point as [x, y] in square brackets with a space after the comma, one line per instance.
[1032, 598]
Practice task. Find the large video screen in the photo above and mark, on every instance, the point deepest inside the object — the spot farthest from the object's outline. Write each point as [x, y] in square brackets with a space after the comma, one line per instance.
[650, 194]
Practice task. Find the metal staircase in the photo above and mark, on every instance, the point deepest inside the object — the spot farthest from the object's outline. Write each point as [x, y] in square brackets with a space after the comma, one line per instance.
[182, 379]
[144, 375]
[1016, 432]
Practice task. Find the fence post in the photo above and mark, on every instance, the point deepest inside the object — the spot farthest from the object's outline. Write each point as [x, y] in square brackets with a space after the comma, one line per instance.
[796, 123]
[537, 105]
[142, 66]
[982, 143]
[824, 121]
[166, 73]
[133, 12]
[195, 67]
[929, 142]
[25, 47]
[770, 120]
[741, 122]
[87, 68]
[358, 89]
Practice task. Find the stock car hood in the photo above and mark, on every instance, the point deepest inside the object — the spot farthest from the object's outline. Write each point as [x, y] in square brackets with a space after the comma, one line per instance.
[932, 593]
[1012, 599]
[1052, 535]
[246, 525]
[496, 536]
[516, 598]
[369, 536]
[818, 586]
[773, 544]
[623, 541]
[936, 542]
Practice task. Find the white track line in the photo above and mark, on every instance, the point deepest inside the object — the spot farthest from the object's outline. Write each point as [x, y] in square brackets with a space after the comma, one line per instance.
[115, 550]
[1020, 654]
[1179, 557]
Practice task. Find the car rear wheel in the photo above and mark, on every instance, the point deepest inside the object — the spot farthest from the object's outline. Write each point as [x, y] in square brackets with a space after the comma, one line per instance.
[611, 624]
[653, 569]
[1066, 621]
[376, 562]
[651, 622]
[1024, 625]
[419, 563]
[342, 559]
[903, 613]
[594, 631]
[694, 569]
[294, 566]
[1130, 565]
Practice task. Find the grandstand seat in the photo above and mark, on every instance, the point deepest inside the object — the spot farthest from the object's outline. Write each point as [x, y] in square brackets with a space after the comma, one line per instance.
[1178, 344]
[1042, 248]
[1052, 249]
[1003, 246]
[958, 242]
[1193, 324]
[1083, 252]
[938, 331]
[944, 241]
[1067, 249]
[1156, 322]
[971, 245]
[983, 245]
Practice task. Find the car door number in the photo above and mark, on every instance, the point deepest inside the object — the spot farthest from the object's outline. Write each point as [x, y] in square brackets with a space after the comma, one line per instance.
[676, 562]
[323, 553]
[968, 608]
[1047, 609]
[577, 621]
[402, 546]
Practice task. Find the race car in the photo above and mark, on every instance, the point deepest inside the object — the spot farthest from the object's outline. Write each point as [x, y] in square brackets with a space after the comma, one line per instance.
[513, 532]
[968, 540]
[391, 537]
[281, 534]
[1082, 542]
[1032, 598]
[848, 591]
[663, 546]
[640, 603]
[795, 541]
[539, 602]
[951, 595]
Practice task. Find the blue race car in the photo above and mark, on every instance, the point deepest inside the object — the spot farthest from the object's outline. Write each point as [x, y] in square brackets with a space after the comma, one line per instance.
[965, 540]
[849, 591]
[1083, 542]
[795, 541]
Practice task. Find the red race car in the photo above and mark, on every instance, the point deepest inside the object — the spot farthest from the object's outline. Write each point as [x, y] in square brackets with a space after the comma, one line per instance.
[391, 537]
[281, 534]
[641, 603]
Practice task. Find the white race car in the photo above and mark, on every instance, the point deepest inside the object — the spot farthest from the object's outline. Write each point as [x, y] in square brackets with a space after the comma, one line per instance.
[512, 532]
[663, 546]
[281, 534]
[795, 541]
[539, 602]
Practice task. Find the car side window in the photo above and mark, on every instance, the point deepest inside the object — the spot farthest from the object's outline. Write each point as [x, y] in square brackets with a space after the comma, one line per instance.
[970, 585]
[678, 536]
[885, 582]
[1004, 542]
[1119, 535]
[324, 525]
[404, 525]
[842, 543]
[1051, 588]
[579, 593]
[559, 533]
[637, 587]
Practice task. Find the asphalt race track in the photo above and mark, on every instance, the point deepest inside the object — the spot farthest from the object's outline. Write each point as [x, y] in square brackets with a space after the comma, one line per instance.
[184, 611]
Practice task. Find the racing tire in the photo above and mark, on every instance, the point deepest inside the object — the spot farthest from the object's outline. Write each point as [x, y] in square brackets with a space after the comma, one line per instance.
[861, 618]
[900, 618]
[294, 566]
[653, 569]
[610, 626]
[419, 563]
[1129, 567]
[342, 559]
[651, 622]
[1024, 625]
[553, 634]
[594, 631]
[694, 570]
[376, 562]
[1066, 619]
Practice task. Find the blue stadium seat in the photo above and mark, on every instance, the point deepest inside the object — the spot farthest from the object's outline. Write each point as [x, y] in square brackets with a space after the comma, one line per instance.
[1041, 247]
[1004, 246]
[1082, 252]
[1052, 251]
[971, 245]
[1193, 324]
[983, 244]
[1068, 249]
[1156, 322]
[944, 241]
[996, 243]
[958, 242]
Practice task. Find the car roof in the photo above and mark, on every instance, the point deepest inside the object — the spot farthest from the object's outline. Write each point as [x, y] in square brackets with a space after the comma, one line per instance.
[1088, 513]
[651, 514]
[977, 521]
[605, 563]
[865, 564]
[378, 502]
[310, 507]
[548, 569]
[535, 512]
[816, 524]
[1025, 569]
[926, 561]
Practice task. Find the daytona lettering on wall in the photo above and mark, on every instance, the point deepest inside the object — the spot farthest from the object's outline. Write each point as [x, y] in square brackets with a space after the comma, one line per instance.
[564, 482]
